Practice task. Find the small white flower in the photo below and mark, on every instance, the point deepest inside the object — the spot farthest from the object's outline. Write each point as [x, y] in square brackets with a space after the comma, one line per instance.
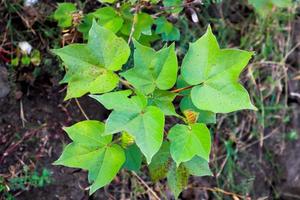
[30, 2]
[25, 47]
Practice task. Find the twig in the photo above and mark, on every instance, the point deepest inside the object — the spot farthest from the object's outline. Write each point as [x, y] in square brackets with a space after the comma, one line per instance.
[22, 116]
[125, 83]
[215, 189]
[146, 185]
[290, 52]
[182, 89]
[135, 19]
[81, 109]
[222, 166]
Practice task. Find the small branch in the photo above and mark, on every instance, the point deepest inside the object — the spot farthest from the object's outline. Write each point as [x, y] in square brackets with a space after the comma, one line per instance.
[182, 89]
[22, 115]
[126, 83]
[215, 189]
[81, 109]
[137, 8]
[146, 185]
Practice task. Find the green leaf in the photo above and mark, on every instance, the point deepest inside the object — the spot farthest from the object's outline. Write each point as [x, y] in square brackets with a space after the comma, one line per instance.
[86, 24]
[265, 7]
[117, 100]
[160, 162]
[203, 116]
[173, 6]
[177, 179]
[91, 150]
[88, 133]
[163, 100]
[147, 129]
[153, 69]
[198, 167]
[143, 24]
[133, 158]
[168, 31]
[112, 51]
[131, 114]
[107, 1]
[215, 73]
[106, 167]
[79, 156]
[109, 18]
[63, 14]
[90, 66]
[188, 141]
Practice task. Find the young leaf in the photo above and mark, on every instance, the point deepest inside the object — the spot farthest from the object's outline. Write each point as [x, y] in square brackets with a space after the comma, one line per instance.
[133, 158]
[167, 30]
[143, 24]
[109, 18]
[144, 123]
[173, 6]
[153, 69]
[160, 162]
[177, 179]
[198, 167]
[90, 66]
[189, 141]
[163, 100]
[90, 150]
[215, 73]
[63, 14]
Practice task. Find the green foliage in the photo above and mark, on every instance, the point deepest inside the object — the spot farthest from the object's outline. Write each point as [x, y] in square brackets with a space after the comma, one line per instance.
[63, 14]
[122, 21]
[135, 128]
[26, 179]
[266, 6]
[167, 30]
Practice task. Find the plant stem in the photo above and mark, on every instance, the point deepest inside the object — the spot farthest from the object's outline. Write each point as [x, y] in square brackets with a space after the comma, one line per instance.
[81, 109]
[137, 8]
[182, 89]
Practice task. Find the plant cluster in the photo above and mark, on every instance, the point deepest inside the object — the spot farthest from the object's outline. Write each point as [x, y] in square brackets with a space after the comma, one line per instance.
[135, 129]
[120, 20]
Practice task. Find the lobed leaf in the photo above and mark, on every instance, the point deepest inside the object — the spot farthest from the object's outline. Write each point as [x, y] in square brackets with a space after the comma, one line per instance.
[215, 73]
[153, 69]
[92, 151]
[90, 66]
[131, 114]
[189, 141]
